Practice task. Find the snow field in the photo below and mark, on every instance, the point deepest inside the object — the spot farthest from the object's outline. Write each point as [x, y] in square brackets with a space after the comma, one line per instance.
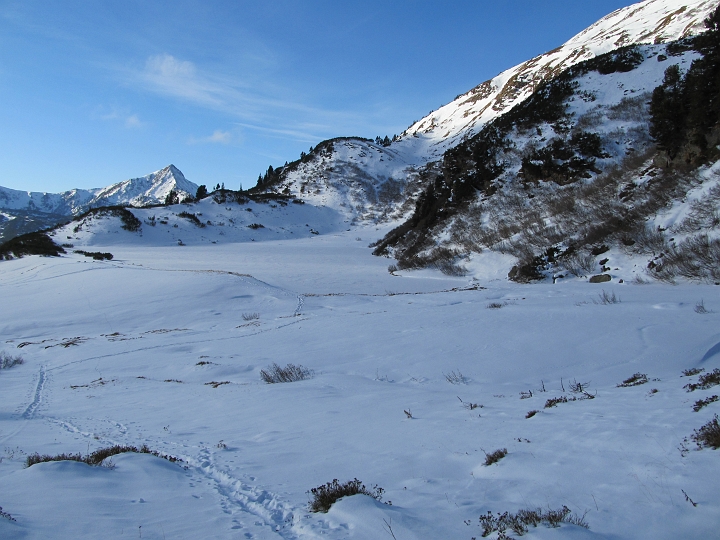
[154, 330]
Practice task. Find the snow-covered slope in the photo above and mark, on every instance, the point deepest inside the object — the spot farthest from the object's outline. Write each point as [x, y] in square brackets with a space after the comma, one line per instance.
[369, 181]
[164, 346]
[652, 21]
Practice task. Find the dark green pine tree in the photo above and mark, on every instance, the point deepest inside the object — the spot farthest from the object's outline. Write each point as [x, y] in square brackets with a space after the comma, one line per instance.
[172, 198]
[668, 112]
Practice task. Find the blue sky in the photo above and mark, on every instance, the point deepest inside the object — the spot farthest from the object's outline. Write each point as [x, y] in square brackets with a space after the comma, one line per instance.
[92, 93]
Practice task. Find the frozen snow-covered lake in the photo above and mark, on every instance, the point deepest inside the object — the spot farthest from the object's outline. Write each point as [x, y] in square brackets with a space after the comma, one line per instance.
[122, 351]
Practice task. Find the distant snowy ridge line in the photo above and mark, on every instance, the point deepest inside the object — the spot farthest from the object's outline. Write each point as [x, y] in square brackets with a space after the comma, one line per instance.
[149, 189]
[27, 211]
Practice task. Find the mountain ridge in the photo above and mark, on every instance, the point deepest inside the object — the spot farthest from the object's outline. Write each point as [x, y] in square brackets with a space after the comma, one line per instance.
[355, 175]
[24, 211]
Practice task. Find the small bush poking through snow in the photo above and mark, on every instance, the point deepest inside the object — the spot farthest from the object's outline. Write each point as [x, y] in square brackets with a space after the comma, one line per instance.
[705, 381]
[530, 414]
[455, 378]
[552, 402]
[96, 255]
[96, 458]
[635, 380]
[606, 298]
[495, 305]
[494, 457]
[323, 497]
[520, 522]
[692, 371]
[290, 373]
[250, 316]
[708, 436]
[700, 403]
[192, 217]
[215, 384]
[701, 309]
[6, 515]
[7, 361]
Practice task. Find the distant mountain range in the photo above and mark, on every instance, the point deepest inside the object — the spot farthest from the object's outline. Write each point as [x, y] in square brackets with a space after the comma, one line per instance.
[25, 211]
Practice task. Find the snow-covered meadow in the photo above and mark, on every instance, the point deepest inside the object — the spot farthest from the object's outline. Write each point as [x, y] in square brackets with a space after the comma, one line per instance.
[124, 351]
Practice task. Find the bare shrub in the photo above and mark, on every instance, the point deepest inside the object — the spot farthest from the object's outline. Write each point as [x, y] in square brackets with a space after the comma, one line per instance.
[215, 384]
[578, 387]
[440, 258]
[7, 361]
[532, 413]
[552, 402]
[519, 522]
[495, 305]
[5, 515]
[703, 214]
[98, 456]
[455, 378]
[708, 436]
[290, 373]
[696, 258]
[701, 309]
[646, 240]
[494, 457]
[323, 497]
[705, 381]
[605, 298]
[636, 380]
[700, 403]
[692, 371]
[580, 264]
[250, 316]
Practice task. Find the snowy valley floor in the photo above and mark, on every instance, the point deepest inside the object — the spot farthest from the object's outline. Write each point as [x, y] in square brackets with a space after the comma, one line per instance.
[123, 351]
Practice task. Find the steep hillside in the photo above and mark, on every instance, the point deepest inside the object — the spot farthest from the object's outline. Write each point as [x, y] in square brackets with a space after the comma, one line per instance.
[25, 211]
[379, 181]
[593, 157]
[653, 21]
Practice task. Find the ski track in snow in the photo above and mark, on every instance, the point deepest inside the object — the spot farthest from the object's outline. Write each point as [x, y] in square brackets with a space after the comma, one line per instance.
[300, 304]
[31, 409]
[178, 343]
[264, 509]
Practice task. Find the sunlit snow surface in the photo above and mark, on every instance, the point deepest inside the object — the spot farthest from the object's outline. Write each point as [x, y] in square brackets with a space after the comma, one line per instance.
[378, 344]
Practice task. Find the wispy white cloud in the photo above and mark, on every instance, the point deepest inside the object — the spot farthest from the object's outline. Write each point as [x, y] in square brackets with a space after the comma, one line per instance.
[258, 105]
[133, 121]
[299, 132]
[171, 76]
[218, 137]
[113, 114]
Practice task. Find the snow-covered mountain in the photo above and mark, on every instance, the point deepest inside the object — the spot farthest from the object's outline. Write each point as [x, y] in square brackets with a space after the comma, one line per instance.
[149, 189]
[652, 21]
[24, 211]
[370, 181]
